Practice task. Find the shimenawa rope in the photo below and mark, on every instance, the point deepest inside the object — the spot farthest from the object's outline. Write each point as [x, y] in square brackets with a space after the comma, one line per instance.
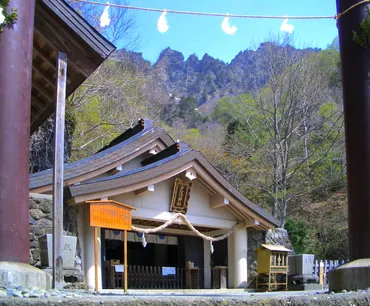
[216, 14]
[174, 219]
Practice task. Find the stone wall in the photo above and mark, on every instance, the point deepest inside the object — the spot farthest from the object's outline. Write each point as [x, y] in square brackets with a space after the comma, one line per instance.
[41, 216]
[277, 236]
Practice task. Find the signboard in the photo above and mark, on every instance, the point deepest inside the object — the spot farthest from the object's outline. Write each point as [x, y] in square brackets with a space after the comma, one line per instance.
[110, 214]
[168, 271]
[180, 196]
[119, 268]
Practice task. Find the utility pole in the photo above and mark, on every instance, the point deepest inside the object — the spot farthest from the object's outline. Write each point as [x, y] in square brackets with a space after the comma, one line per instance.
[355, 64]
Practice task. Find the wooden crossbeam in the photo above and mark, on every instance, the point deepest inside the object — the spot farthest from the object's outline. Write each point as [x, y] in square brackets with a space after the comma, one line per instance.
[48, 80]
[62, 40]
[251, 223]
[44, 57]
[42, 90]
[36, 103]
[143, 191]
[206, 186]
[218, 201]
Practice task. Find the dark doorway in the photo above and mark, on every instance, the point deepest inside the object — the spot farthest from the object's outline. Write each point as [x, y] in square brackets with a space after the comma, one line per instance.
[141, 260]
[192, 249]
[219, 255]
[219, 259]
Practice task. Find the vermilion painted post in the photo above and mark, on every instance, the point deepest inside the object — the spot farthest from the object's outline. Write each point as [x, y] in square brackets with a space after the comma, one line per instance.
[96, 258]
[125, 260]
[15, 106]
[355, 61]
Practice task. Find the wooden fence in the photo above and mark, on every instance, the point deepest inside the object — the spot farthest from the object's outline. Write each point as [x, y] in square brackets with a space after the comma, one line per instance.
[149, 277]
[326, 265]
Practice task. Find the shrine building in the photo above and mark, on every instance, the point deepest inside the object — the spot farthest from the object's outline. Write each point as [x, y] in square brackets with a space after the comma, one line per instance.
[147, 170]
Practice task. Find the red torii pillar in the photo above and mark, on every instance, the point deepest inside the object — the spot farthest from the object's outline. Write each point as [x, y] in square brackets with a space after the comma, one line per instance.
[355, 63]
[15, 106]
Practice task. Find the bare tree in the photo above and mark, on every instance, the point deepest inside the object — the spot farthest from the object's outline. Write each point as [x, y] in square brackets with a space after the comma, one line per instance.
[110, 101]
[284, 124]
[121, 28]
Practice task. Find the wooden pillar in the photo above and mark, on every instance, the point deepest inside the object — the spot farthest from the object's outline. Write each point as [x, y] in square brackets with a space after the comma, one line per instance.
[15, 106]
[125, 260]
[355, 62]
[59, 114]
[96, 260]
[240, 257]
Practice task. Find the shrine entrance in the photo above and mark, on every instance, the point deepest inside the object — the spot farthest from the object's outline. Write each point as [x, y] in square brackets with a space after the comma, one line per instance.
[155, 266]
[114, 215]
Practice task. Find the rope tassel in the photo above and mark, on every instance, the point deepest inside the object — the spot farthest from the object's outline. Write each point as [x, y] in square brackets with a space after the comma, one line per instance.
[211, 245]
[144, 240]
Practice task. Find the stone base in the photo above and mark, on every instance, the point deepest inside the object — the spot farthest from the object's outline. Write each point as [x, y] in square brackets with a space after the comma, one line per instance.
[69, 275]
[351, 276]
[300, 279]
[21, 274]
[305, 287]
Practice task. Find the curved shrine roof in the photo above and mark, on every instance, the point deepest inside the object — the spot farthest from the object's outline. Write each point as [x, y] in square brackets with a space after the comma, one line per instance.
[173, 160]
[134, 142]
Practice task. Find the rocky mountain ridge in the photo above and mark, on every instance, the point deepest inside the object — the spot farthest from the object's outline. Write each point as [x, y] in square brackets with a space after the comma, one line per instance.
[207, 79]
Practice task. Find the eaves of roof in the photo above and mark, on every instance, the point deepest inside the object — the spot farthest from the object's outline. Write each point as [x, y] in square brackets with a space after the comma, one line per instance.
[103, 161]
[58, 27]
[165, 169]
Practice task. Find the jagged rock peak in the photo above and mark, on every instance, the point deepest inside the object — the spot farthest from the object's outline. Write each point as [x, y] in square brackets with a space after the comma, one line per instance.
[135, 58]
[207, 58]
[193, 62]
[169, 53]
[192, 58]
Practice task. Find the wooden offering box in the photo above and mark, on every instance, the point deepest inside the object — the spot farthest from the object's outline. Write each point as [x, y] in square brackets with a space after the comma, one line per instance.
[272, 266]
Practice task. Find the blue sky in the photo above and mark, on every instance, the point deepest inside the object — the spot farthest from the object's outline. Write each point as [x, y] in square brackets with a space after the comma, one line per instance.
[202, 34]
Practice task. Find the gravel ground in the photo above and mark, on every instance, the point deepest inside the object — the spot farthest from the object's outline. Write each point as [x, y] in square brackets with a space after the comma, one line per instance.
[80, 297]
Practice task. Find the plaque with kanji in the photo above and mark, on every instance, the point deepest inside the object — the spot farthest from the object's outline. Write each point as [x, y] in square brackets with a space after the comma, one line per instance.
[110, 214]
[180, 196]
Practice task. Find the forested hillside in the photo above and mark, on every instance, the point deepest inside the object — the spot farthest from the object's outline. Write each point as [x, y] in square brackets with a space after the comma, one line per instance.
[271, 121]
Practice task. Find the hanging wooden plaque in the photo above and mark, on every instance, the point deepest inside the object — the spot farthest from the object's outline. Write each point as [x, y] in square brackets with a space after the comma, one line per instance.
[180, 196]
[110, 214]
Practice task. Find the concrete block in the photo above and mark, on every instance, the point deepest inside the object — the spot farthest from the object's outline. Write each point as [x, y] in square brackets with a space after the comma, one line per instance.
[350, 276]
[69, 275]
[68, 253]
[301, 264]
[25, 275]
[304, 287]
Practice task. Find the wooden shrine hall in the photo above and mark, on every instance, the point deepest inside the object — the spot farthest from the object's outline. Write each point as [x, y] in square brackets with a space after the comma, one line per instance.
[47, 55]
[146, 170]
[49, 52]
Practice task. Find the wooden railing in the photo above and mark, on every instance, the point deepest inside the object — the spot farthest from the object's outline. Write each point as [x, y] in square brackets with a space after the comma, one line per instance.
[149, 277]
[279, 259]
[326, 266]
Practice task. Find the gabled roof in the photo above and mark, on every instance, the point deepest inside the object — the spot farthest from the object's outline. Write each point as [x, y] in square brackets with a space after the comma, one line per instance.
[134, 142]
[173, 160]
[166, 168]
[58, 27]
[271, 247]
